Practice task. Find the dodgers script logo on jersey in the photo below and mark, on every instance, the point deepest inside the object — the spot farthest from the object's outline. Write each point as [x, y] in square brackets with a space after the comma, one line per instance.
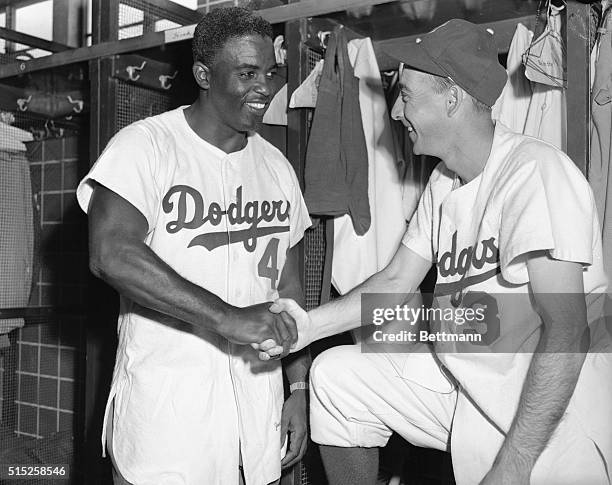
[453, 263]
[238, 213]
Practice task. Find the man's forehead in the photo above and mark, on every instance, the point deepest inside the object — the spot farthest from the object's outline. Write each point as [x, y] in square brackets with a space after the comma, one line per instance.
[410, 77]
[249, 44]
[252, 49]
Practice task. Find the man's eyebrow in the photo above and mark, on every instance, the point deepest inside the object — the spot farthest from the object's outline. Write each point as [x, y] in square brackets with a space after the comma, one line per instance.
[255, 66]
[248, 66]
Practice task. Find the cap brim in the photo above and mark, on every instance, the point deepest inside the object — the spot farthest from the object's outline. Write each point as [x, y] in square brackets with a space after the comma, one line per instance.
[415, 57]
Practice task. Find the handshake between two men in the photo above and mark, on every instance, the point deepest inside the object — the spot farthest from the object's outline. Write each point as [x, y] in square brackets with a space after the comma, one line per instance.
[288, 328]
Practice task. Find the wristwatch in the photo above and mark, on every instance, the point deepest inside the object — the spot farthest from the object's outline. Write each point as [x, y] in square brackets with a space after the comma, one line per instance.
[298, 385]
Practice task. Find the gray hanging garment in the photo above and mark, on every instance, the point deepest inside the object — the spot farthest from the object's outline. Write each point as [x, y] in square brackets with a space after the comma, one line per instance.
[336, 171]
[16, 235]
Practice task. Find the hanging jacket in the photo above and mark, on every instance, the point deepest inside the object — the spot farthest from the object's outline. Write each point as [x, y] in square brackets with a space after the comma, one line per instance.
[336, 169]
[600, 175]
[374, 249]
[16, 236]
[527, 107]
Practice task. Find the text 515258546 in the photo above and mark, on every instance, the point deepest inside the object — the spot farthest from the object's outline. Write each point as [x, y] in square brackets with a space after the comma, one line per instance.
[19, 471]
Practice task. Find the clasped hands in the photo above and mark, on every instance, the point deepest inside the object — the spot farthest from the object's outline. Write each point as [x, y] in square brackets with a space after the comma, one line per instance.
[290, 335]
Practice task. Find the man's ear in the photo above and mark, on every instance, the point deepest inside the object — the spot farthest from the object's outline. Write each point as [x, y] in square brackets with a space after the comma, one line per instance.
[201, 74]
[454, 99]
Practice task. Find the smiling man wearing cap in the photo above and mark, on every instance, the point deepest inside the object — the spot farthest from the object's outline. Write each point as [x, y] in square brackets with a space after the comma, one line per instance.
[510, 223]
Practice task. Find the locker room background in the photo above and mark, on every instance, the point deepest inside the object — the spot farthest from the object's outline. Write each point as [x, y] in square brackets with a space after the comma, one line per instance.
[56, 363]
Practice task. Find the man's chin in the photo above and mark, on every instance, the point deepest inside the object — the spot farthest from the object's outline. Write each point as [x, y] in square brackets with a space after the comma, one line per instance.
[252, 124]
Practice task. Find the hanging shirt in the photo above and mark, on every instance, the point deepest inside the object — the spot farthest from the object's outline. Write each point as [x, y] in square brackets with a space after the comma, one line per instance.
[305, 95]
[547, 116]
[374, 249]
[545, 60]
[12, 138]
[184, 404]
[527, 107]
[276, 114]
[336, 167]
[600, 175]
[512, 106]
[16, 237]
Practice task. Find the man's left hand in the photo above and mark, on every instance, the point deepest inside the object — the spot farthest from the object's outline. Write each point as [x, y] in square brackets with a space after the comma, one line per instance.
[294, 427]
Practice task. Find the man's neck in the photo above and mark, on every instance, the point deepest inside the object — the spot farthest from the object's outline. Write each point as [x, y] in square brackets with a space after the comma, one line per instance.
[212, 130]
[470, 151]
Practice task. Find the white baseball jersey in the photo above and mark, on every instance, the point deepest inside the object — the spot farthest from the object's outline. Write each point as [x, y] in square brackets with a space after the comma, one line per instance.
[185, 405]
[529, 197]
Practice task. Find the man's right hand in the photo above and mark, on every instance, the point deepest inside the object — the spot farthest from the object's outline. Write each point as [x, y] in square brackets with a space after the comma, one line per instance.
[256, 323]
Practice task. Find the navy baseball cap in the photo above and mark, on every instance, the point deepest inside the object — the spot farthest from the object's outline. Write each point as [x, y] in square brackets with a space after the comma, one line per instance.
[460, 50]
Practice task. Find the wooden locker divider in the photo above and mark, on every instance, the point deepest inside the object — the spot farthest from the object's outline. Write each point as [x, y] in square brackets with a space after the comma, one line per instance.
[99, 329]
[578, 40]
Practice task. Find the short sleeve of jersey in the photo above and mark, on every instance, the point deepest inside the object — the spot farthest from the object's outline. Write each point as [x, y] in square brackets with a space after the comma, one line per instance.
[300, 220]
[549, 206]
[127, 167]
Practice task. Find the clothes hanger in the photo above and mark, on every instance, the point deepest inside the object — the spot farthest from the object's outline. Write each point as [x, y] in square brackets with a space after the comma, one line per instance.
[545, 36]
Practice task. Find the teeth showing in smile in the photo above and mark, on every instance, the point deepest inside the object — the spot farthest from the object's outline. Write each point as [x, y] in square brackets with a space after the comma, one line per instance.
[257, 105]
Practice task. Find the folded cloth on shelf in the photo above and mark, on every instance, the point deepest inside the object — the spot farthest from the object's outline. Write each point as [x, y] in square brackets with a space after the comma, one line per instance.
[12, 138]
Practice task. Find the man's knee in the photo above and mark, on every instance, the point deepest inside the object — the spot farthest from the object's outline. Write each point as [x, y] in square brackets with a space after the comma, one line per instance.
[333, 368]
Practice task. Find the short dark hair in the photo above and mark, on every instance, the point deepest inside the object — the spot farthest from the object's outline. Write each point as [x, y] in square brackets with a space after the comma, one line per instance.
[222, 24]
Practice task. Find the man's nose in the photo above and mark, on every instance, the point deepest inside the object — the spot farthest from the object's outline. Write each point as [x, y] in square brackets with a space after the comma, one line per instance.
[264, 86]
[397, 112]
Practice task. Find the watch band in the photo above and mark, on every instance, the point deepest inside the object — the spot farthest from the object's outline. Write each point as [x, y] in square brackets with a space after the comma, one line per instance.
[298, 385]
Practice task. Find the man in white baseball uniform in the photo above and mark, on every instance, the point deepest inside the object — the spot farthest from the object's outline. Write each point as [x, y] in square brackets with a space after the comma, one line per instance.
[194, 219]
[510, 223]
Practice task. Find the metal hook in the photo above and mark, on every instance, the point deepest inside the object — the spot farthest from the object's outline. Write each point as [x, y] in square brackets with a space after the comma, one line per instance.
[77, 104]
[23, 103]
[134, 71]
[47, 128]
[52, 130]
[37, 133]
[164, 78]
[323, 37]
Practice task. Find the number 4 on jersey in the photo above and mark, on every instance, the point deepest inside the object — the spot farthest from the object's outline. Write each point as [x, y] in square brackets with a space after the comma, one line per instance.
[268, 264]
